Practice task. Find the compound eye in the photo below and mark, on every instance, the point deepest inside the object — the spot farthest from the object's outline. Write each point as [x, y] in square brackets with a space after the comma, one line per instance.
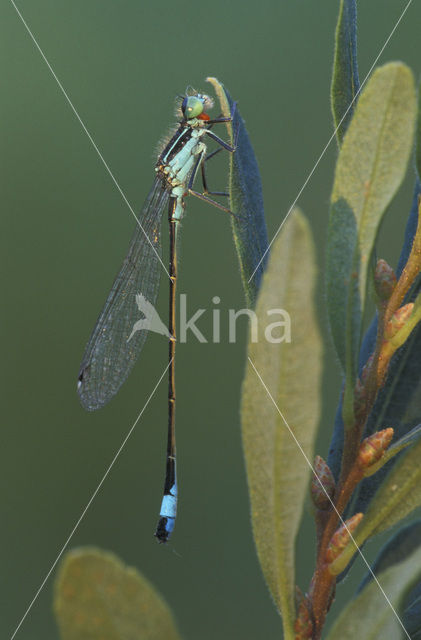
[191, 107]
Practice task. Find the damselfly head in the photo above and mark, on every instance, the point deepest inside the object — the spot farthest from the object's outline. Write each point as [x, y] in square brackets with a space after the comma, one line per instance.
[194, 104]
[191, 107]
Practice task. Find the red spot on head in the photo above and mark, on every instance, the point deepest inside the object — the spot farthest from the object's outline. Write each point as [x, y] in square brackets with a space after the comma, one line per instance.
[203, 116]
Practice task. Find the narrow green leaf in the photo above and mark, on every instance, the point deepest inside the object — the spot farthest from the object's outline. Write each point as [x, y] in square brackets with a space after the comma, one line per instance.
[287, 393]
[345, 82]
[397, 497]
[398, 548]
[371, 166]
[412, 612]
[98, 598]
[418, 140]
[246, 201]
[370, 615]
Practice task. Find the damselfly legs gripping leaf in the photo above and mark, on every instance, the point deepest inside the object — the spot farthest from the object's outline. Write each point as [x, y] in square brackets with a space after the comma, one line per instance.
[114, 344]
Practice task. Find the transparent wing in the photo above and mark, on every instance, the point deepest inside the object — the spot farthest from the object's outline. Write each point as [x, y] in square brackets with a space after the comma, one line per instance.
[113, 346]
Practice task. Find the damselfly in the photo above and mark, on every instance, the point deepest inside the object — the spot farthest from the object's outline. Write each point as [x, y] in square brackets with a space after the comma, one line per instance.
[114, 346]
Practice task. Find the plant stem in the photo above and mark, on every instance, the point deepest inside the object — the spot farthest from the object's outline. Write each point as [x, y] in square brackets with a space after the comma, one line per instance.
[323, 582]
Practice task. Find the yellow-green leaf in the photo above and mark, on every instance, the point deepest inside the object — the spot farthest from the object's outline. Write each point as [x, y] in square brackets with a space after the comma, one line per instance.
[371, 166]
[98, 598]
[281, 391]
[370, 616]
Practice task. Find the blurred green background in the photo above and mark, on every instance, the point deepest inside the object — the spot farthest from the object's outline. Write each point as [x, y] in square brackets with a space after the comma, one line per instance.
[65, 230]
